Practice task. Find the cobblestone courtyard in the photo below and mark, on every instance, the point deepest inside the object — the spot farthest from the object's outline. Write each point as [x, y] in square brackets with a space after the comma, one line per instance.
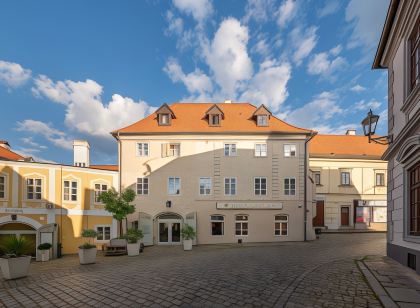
[321, 273]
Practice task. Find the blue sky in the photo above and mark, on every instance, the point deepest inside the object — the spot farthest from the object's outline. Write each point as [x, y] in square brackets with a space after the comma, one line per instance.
[80, 69]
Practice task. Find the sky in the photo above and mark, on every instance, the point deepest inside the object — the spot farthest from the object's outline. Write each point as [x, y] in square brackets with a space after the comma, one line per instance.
[81, 69]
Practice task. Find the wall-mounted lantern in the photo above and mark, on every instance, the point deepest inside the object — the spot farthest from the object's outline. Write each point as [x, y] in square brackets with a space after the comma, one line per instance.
[168, 203]
[369, 127]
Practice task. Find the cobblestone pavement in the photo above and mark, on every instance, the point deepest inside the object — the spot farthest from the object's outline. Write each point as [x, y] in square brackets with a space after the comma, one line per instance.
[321, 273]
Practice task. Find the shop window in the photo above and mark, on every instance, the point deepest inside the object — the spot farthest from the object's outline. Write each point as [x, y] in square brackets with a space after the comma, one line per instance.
[281, 225]
[217, 224]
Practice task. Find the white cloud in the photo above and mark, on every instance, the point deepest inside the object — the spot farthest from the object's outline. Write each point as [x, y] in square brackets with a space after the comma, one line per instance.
[198, 9]
[85, 111]
[325, 64]
[269, 85]
[261, 47]
[13, 74]
[286, 12]
[358, 88]
[303, 42]
[35, 145]
[330, 7]
[197, 82]
[258, 10]
[227, 56]
[365, 106]
[55, 136]
[368, 19]
[175, 24]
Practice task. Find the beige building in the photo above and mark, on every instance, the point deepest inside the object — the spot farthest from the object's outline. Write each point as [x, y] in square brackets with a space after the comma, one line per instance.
[231, 170]
[399, 53]
[350, 179]
[53, 203]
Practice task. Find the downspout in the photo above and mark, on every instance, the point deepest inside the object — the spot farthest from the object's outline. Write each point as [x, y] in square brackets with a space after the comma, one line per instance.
[119, 172]
[305, 194]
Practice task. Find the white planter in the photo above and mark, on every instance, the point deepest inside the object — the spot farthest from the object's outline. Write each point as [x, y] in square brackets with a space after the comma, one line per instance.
[45, 255]
[187, 244]
[13, 268]
[87, 256]
[133, 249]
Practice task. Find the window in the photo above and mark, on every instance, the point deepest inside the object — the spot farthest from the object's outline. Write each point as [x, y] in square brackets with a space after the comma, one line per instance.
[142, 149]
[345, 178]
[2, 187]
[241, 225]
[142, 186]
[230, 149]
[414, 200]
[260, 186]
[174, 186]
[230, 186]
[164, 119]
[317, 178]
[135, 225]
[215, 119]
[290, 186]
[174, 149]
[33, 189]
[205, 186]
[289, 150]
[415, 55]
[262, 120]
[281, 224]
[70, 191]
[380, 179]
[104, 233]
[217, 224]
[99, 189]
[261, 149]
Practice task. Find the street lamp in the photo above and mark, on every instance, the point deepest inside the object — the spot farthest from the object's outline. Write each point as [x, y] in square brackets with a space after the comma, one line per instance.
[369, 127]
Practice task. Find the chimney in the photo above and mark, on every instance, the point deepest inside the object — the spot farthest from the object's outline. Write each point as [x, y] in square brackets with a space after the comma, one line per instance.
[351, 132]
[228, 101]
[5, 144]
[81, 153]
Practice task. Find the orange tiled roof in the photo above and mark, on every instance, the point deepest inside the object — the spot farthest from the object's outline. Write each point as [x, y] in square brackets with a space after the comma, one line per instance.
[190, 118]
[7, 154]
[105, 167]
[341, 146]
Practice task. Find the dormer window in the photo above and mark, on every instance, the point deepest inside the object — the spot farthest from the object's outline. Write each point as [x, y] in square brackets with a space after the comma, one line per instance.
[165, 115]
[215, 119]
[262, 120]
[164, 119]
[214, 115]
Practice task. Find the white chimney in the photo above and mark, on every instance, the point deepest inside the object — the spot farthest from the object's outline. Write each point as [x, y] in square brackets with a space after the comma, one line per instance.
[228, 101]
[351, 132]
[81, 153]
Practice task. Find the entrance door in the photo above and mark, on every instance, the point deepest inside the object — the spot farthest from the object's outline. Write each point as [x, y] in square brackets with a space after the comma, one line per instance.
[345, 214]
[169, 232]
[318, 220]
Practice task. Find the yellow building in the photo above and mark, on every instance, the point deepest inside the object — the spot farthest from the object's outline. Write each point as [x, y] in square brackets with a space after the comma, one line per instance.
[350, 180]
[53, 203]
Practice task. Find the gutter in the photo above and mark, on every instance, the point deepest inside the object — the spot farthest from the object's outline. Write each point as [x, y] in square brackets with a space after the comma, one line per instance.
[305, 194]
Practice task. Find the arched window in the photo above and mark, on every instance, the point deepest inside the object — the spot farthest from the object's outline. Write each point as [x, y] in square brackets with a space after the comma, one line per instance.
[281, 225]
[241, 225]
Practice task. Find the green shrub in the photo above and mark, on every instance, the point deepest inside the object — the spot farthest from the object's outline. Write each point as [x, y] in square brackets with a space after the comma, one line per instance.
[133, 235]
[89, 234]
[16, 247]
[44, 246]
[87, 246]
[188, 232]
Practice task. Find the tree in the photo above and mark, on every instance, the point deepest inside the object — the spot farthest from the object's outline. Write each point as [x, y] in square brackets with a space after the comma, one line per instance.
[118, 204]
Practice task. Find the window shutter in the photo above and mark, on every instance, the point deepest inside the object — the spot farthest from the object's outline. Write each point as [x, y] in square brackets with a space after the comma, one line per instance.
[165, 149]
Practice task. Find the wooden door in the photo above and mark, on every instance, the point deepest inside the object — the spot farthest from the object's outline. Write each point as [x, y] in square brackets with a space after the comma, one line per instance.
[318, 220]
[345, 214]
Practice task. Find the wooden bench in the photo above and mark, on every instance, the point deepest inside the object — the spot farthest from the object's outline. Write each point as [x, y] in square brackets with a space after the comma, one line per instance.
[116, 247]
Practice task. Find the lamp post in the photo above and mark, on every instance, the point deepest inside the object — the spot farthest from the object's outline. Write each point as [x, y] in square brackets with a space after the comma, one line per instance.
[369, 127]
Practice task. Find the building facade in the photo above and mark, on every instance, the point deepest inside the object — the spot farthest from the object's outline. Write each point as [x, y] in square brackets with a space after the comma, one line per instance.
[232, 171]
[350, 179]
[399, 53]
[53, 203]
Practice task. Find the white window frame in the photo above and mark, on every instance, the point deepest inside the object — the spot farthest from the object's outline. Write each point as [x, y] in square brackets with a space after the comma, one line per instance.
[259, 120]
[95, 194]
[205, 188]
[376, 178]
[70, 192]
[288, 191]
[230, 185]
[169, 185]
[260, 178]
[281, 222]
[258, 150]
[6, 186]
[315, 176]
[174, 152]
[143, 191]
[164, 116]
[231, 149]
[287, 150]
[217, 221]
[34, 186]
[341, 178]
[241, 222]
[214, 116]
[140, 151]
[103, 233]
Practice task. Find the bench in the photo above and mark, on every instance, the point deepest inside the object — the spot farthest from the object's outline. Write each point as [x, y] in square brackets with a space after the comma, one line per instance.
[116, 247]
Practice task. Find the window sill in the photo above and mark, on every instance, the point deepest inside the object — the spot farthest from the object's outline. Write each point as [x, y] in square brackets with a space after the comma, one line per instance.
[346, 185]
[319, 185]
[379, 186]
[256, 156]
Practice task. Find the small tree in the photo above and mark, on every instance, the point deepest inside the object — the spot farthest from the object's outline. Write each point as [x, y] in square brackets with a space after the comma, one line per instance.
[118, 204]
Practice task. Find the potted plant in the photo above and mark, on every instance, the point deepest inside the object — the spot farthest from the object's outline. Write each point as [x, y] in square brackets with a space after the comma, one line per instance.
[45, 251]
[133, 244]
[188, 234]
[87, 251]
[15, 261]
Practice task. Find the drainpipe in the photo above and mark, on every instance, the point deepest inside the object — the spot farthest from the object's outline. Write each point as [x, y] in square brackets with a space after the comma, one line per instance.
[305, 194]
